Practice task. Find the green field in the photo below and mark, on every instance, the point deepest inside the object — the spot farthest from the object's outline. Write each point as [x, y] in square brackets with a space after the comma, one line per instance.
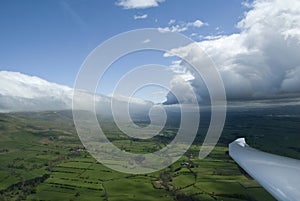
[43, 159]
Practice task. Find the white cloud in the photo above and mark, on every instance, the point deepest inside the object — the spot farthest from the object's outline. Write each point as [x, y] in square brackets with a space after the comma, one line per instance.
[138, 4]
[212, 37]
[246, 4]
[175, 28]
[171, 22]
[182, 89]
[25, 86]
[193, 34]
[146, 41]
[197, 23]
[136, 17]
[20, 92]
[181, 71]
[181, 27]
[262, 61]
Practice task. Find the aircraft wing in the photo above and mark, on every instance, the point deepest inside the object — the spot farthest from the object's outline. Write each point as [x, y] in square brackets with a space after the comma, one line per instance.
[279, 175]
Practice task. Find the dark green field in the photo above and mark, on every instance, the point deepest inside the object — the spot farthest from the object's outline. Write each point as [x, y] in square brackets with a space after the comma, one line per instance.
[43, 159]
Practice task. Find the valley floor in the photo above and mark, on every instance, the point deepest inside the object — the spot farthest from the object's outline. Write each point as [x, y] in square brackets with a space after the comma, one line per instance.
[43, 159]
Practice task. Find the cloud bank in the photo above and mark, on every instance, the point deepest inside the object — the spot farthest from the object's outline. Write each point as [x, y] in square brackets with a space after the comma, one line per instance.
[262, 61]
[20, 92]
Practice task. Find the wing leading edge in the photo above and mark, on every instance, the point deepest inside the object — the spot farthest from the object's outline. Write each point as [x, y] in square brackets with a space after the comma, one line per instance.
[279, 175]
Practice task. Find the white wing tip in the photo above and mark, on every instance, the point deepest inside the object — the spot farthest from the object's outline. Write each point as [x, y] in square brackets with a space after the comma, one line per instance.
[241, 142]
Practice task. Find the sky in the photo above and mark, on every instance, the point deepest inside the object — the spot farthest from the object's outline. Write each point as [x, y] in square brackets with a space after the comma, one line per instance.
[253, 43]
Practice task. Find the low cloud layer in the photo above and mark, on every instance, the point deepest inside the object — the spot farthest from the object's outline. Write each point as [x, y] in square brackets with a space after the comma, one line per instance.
[20, 92]
[262, 61]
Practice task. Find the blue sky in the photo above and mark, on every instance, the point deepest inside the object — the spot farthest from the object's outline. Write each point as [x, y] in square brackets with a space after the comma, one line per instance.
[254, 44]
[51, 39]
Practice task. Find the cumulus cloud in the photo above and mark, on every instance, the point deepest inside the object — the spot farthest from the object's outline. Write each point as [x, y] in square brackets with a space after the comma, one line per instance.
[137, 17]
[262, 61]
[182, 91]
[138, 4]
[181, 70]
[182, 26]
